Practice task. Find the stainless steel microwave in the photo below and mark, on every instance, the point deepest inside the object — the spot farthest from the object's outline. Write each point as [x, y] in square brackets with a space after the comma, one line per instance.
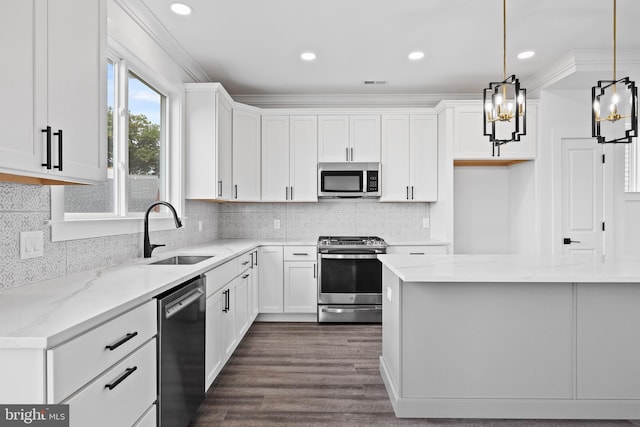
[348, 180]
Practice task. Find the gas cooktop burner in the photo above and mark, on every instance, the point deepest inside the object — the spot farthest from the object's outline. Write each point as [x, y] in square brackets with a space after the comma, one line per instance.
[332, 241]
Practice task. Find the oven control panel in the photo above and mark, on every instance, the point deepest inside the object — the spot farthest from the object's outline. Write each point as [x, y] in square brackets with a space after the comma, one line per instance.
[372, 181]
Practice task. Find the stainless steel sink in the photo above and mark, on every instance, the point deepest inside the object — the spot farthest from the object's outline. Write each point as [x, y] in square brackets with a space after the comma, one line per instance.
[182, 260]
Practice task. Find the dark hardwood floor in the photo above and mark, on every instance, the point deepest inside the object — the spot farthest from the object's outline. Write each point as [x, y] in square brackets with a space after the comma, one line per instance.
[307, 374]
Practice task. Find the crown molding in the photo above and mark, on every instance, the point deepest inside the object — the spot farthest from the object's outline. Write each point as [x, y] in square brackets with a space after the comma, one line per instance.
[148, 22]
[349, 100]
[583, 60]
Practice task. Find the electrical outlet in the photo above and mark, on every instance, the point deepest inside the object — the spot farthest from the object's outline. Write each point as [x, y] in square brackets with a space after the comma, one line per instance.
[199, 225]
[425, 222]
[389, 293]
[276, 224]
[31, 244]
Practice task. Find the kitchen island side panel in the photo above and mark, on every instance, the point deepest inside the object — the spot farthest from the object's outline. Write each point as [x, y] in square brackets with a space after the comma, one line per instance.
[391, 328]
[487, 340]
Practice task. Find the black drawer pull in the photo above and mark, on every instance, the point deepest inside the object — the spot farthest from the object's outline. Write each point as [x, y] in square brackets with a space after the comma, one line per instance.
[301, 254]
[47, 130]
[122, 377]
[245, 263]
[59, 135]
[123, 340]
[245, 276]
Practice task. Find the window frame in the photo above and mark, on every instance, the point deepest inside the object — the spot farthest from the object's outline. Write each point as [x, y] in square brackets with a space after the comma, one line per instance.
[72, 226]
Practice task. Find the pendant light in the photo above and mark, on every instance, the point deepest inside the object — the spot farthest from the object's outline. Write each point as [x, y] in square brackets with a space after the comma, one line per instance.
[504, 103]
[621, 97]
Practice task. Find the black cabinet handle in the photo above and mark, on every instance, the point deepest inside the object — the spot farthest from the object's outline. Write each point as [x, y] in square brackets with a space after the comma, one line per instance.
[47, 130]
[219, 188]
[314, 271]
[347, 151]
[352, 154]
[412, 192]
[123, 377]
[245, 263]
[235, 187]
[256, 258]
[245, 276]
[301, 254]
[123, 340]
[407, 192]
[59, 135]
[291, 192]
[226, 301]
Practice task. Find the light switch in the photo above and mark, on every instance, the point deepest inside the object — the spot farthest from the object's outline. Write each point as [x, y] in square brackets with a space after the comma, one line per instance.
[389, 292]
[31, 244]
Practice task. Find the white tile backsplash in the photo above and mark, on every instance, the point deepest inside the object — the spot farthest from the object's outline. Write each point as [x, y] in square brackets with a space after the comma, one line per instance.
[27, 208]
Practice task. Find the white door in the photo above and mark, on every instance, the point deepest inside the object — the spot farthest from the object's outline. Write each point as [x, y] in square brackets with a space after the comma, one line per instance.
[395, 158]
[21, 145]
[270, 283]
[275, 158]
[224, 129]
[424, 157]
[213, 340]
[300, 287]
[333, 139]
[364, 139]
[582, 196]
[246, 155]
[303, 159]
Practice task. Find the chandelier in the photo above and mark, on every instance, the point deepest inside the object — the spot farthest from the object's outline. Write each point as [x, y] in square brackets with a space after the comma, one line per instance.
[504, 103]
[621, 97]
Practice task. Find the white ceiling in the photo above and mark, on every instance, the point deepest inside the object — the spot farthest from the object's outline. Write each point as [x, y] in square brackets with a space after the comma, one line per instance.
[253, 46]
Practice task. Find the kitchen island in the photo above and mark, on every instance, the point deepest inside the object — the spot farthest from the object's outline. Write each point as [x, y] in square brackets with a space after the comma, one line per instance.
[505, 336]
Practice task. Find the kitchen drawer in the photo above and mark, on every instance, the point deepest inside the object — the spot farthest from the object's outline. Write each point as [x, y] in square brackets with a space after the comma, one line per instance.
[129, 397]
[220, 276]
[244, 262]
[417, 249]
[300, 253]
[76, 362]
[149, 419]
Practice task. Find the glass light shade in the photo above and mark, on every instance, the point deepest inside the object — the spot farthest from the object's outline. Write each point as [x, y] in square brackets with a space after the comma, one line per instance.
[620, 98]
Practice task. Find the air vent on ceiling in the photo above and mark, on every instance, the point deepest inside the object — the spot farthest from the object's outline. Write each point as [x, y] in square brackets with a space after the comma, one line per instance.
[374, 82]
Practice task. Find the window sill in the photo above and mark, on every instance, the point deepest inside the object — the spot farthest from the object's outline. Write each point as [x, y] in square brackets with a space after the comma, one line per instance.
[74, 229]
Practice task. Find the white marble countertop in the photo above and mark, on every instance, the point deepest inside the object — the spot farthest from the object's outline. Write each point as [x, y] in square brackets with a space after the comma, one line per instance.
[513, 268]
[45, 314]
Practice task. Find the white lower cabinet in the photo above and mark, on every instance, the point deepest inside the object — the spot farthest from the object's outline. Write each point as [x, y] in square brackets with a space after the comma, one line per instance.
[288, 281]
[228, 311]
[300, 287]
[270, 262]
[119, 396]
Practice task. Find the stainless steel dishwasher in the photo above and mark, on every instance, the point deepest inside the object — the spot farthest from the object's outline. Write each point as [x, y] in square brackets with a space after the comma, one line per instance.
[181, 328]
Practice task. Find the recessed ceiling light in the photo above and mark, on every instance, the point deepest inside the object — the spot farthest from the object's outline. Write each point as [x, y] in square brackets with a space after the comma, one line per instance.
[414, 56]
[308, 56]
[180, 9]
[526, 54]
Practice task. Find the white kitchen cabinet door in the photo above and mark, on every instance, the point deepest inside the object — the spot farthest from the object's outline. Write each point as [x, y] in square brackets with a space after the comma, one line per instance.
[224, 148]
[303, 158]
[333, 139]
[57, 78]
[300, 287]
[213, 338]
[228, 322]
[364, 138]
[242, 301]
[409, 158]
[423, 157]
[270, 268]
[208, 146]
[24, 56]
[470, 143]
[275, 158]
[395, 172]
[246, 155]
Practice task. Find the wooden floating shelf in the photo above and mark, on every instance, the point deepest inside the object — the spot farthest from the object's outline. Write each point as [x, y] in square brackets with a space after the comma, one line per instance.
[497, 162]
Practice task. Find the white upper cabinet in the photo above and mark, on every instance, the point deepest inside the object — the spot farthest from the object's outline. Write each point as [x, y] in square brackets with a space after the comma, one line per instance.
[409, 157]
[208, 142]
[289, 158]
[246, 155]
[349, 138]
[55, 77]
[470, 143]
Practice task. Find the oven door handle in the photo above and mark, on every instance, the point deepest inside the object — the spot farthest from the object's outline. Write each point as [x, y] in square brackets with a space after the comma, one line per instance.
[348, 256]
[348, 310]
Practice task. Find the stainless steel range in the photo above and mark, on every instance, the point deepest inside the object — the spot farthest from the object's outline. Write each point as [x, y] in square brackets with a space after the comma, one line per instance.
[350, 279]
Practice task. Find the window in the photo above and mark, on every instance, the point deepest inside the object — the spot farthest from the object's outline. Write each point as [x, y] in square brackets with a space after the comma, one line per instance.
[143, 110]
[136, 146]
